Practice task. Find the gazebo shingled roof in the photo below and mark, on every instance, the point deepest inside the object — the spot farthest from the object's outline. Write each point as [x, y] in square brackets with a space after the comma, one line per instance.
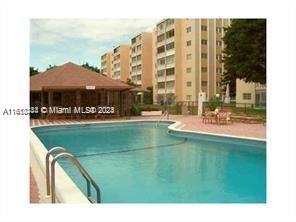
[72, 76]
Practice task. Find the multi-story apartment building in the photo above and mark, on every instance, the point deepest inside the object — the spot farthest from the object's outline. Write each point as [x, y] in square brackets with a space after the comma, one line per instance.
[121, 66]
[106, 64]
[141, 60]
[188, 55]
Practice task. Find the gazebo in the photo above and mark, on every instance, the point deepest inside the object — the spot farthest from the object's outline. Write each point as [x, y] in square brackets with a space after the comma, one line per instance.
[71, 85]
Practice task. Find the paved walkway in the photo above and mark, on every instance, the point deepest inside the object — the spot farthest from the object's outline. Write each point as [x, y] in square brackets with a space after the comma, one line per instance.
[34, 192]
[189, 123]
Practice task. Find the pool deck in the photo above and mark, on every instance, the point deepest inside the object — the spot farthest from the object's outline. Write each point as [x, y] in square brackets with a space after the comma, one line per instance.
[189, 122]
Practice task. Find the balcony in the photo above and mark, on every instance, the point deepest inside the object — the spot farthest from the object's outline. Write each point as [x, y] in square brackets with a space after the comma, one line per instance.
[160, 91]
[160, 55]
[170, 90]
[161, 79]
[170, 52]
[170, 77]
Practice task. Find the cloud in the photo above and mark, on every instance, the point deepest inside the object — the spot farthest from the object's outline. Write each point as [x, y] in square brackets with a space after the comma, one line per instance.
[56, 41]
[52, 31]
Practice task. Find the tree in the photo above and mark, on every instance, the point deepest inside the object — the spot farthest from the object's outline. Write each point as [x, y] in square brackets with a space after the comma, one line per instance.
[148, 96]
[50, 67]
[130, 82]
[92, 68]
[33, 71]
[245, 51]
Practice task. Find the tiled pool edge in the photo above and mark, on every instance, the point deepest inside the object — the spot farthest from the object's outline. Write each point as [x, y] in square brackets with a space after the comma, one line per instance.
[66, 189]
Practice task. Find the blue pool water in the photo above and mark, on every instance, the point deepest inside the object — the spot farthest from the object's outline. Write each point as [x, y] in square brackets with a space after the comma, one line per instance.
[141, 163]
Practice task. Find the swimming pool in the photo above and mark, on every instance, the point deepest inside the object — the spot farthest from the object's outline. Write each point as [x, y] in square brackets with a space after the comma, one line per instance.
[136, 162]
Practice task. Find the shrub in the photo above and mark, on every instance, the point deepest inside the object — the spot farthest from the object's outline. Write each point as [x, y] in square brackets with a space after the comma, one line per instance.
[136, 110]
[214, 102]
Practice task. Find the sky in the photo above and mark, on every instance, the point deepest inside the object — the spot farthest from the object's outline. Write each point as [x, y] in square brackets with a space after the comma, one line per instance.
[58, 41]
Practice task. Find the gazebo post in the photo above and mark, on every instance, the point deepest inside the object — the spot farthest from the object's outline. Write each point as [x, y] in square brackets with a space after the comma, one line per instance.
[50, 97]
[103, 96]
[78, 98]
[120, 103]
[42, 102]
[96, 103]
[63, 98]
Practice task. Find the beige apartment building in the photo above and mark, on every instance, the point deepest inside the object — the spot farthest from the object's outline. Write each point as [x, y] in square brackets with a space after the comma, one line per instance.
[121, 67]
[250, 94]
[106, 64]
[141, 60]
[187, 58]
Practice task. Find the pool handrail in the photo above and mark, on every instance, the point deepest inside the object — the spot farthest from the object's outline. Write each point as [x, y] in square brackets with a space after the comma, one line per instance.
[165, 113]
[48, 154]
[87, 177]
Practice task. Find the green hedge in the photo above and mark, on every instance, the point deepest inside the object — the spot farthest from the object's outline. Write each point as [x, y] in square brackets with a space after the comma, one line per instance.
[138, 108]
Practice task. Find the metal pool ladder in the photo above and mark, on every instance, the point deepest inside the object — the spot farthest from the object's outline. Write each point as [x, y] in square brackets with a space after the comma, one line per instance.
[50, 176]
[166, 113]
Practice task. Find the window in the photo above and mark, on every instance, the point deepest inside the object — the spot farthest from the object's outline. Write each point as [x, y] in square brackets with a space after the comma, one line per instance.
[204, 69]
[134, 59]
[188, 97]
[204, 41]
[116, 50]
[139, 57]
[188, 29]
[160, 38]
[160, 85]
[160, 73]
[170, 59]
[138, 48]
[204, 28]
[170, 33]
[247, 96]
[204, 55]
[218, 70]
[170, 84]
[117, 65]
[139, 67]
[188, 56]
[169, 22]
[134, 68]
[161, 61]
[117, 57]
[160, 49]
[188, 43]
[188, 70]
[219, 57]
[133, 40]
[218, 29]
[160, 27]
[219, 43]
[170, 46]
[204, 83]
[139, 77]
[170, 71]
[188, 84]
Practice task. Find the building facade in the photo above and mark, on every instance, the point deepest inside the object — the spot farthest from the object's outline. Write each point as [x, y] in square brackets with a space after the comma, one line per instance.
[188, 54]
[106, 64]
[121, 67]
[250, 94]
[181, 58]
[141, 60]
